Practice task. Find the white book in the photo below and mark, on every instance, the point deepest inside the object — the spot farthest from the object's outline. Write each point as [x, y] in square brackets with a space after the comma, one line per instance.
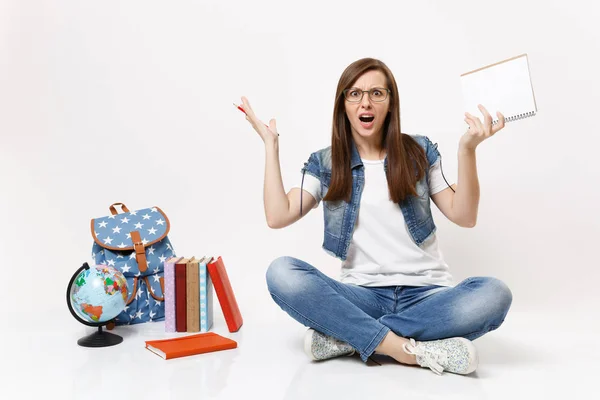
[504, 86]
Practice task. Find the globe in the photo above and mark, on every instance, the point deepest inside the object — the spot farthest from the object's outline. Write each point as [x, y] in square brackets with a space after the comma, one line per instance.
[98, 294]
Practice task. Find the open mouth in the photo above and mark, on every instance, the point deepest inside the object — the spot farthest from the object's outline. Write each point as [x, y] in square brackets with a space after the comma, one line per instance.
[367, 121]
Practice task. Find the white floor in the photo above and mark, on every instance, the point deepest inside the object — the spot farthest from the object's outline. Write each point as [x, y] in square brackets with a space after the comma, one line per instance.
[533, 355]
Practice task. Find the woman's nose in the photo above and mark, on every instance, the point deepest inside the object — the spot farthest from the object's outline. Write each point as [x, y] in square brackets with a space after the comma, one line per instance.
[366, 100]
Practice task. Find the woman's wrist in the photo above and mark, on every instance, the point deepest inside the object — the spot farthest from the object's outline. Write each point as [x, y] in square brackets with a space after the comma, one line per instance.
[272, 144]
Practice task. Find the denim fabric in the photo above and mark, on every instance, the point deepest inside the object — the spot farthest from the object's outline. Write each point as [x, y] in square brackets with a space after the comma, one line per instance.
[340, 217]
[362, 316]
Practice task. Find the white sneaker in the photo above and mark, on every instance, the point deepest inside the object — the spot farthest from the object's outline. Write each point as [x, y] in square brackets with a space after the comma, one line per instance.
[457, 355]
[322, 347]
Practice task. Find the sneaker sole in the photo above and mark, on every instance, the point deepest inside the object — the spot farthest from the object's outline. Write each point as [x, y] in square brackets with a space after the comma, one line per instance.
[473, 356]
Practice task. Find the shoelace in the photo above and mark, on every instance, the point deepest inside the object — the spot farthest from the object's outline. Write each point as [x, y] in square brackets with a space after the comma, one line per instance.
[432, 358]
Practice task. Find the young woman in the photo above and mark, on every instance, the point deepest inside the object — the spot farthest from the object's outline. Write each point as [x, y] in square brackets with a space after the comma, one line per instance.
[395, 294]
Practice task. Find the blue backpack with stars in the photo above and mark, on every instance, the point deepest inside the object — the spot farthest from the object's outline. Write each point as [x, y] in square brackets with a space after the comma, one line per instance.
[135, 243]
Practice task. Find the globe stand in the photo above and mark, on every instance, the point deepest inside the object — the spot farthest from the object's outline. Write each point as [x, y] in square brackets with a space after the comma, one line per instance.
[100, 338]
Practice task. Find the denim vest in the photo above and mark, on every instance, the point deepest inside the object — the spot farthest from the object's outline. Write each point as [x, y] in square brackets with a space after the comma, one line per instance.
[340, 217]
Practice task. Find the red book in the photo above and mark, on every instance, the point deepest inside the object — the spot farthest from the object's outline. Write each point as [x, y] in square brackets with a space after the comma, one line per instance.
[220, 280]
[190, 345]
[181, 295]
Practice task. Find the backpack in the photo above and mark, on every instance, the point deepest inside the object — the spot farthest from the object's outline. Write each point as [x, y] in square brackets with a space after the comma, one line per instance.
[135, 243]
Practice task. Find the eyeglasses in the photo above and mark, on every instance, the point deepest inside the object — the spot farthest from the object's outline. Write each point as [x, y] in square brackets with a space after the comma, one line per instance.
[355, 95]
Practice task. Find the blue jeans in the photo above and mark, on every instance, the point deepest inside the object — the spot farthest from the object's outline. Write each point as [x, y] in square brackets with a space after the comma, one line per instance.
[362, 316]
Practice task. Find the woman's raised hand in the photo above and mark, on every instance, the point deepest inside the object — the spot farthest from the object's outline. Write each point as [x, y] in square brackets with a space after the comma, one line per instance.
[267, 133]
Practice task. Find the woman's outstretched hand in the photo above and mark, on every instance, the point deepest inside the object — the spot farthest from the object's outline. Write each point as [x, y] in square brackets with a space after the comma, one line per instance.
[479, 131]
[267, 133]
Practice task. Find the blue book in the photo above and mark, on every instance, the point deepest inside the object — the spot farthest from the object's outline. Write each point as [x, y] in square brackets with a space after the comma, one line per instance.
[206, 296]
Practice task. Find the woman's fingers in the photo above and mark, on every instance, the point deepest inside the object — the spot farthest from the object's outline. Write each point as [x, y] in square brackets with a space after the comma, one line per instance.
[486, 115]
[260, 127]
[250, 113]
[470, 120]
[248, 110]
[245, 102]
[501, 122]
[471, 124]
[476, 122]
[246, 106]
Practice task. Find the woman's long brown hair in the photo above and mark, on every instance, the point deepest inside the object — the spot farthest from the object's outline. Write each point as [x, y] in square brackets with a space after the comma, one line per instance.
[406, 159]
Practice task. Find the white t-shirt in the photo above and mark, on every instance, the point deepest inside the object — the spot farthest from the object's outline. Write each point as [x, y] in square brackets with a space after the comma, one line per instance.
[382, 252]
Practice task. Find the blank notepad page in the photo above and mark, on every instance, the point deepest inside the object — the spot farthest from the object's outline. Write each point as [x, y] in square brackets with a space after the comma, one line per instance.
[504, 86]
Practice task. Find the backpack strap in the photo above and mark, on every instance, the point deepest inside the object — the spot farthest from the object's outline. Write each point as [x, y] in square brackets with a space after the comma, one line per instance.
[140, 251]
[133, 292]
[113, 211]
[152, 291]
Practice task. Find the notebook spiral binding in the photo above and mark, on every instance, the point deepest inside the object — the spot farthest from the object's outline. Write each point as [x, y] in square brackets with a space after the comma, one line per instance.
[516, 117]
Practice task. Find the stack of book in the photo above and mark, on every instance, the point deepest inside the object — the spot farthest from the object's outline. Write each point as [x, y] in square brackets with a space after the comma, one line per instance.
[189, 284]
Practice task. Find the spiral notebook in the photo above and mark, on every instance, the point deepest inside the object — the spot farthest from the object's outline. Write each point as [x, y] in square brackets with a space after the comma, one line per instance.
[504, 86]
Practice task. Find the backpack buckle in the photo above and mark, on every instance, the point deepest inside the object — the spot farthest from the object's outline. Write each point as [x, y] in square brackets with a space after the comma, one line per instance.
[140, 251]
[139, 248]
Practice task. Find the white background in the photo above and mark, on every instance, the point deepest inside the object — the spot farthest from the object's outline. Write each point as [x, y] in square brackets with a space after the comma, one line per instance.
[131, 101]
